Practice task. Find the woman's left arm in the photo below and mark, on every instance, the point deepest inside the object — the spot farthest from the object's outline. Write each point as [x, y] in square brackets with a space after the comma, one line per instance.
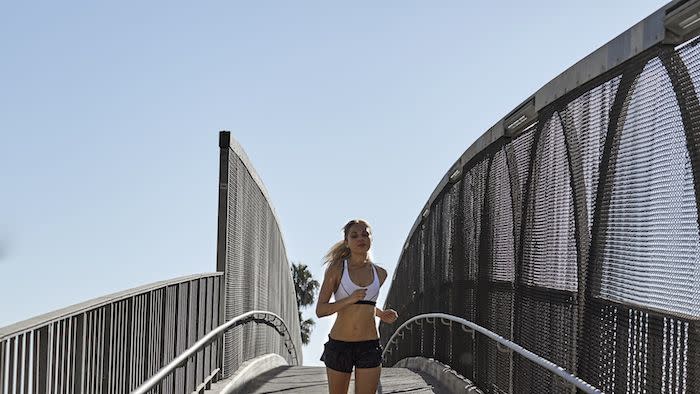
[387, 316]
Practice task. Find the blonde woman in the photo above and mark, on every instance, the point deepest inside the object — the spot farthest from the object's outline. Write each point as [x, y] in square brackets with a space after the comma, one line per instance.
[354, 281]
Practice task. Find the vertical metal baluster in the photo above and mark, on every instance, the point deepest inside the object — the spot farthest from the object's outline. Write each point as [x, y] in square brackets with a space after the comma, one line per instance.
[187, 384]
[91, 361]
[115, 369]
[148, 340]
[31, 355]
[207, 325]
[120, 383]
[99, 354]
[78, 356]
[129, 332]
[163, 315]
[3, 376]
[54, 348]
[56, 357]
[41, 339]
[143, 340]
[65, 335]
[173, 336]
[201, 312]
[12, 379]
[106, 353]
[88, 340]
[217, 345]
[67, 354]
[19, 370]
[26, 352]
[184, 338]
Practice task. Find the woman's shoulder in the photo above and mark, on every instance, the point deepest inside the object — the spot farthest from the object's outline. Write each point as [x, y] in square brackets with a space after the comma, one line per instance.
[334, 268]
[381, 271]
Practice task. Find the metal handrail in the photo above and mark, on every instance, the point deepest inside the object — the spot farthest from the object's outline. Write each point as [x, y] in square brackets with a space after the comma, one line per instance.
[541, 361]
[214, 334]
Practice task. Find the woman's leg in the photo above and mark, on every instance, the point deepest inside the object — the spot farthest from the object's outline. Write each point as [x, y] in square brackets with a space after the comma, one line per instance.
[338, 382]
[367, 380]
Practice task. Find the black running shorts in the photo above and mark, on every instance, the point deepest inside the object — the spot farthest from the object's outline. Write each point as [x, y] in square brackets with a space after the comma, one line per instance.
[342, 356]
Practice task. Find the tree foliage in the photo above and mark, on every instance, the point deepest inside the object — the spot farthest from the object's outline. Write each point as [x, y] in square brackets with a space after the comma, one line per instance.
[305, 287]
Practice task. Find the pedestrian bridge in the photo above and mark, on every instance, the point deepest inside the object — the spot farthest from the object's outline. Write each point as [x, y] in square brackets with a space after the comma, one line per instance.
[560, 253]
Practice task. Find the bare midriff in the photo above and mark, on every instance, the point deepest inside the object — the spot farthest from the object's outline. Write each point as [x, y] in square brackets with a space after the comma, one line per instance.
[355, 323]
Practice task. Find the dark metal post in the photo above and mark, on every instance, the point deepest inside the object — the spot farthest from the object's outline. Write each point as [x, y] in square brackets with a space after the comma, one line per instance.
[106, 356]
[41, 340]
[79, 339]
[130, 332]
[147, 356]
[11, 378]
[693, 357]
[225, 148]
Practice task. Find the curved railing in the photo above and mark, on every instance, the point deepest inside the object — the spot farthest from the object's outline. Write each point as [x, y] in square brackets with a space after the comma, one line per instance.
[113, 343]
[571, 227]
[265, 317]
[446, 320]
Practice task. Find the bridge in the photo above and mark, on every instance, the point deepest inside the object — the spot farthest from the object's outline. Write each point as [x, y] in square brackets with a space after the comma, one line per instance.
[560, 253]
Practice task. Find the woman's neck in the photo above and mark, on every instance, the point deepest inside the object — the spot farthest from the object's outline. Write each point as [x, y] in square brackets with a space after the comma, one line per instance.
[358, 259]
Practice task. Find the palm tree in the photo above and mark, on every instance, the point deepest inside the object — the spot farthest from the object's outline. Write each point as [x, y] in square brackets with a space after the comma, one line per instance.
[305, 287]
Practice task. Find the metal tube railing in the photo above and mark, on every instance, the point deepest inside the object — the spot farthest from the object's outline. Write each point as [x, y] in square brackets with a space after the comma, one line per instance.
[541, 361]
[215, 334]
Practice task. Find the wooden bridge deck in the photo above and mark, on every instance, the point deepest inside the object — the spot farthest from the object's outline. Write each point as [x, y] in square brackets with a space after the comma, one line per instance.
[312, 380]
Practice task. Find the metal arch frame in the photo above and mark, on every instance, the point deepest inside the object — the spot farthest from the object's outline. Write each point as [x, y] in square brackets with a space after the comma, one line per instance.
[500, 341]
[265, 317]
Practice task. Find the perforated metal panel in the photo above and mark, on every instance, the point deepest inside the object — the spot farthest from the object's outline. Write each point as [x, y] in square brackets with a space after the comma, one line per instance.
[650, 249]
[578, 239]
[254, 259]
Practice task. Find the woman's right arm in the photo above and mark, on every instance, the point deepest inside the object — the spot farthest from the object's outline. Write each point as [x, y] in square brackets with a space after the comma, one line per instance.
[330, 281]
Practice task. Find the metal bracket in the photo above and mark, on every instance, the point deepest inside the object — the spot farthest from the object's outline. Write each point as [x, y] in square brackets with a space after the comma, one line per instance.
[503, 349]
[469, 330]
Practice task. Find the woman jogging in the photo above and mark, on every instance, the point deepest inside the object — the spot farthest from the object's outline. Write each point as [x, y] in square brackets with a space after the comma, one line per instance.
[354, 281]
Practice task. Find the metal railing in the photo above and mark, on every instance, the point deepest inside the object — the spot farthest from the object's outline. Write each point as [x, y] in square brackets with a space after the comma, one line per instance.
[445, 319]
[253, 316]
[113, 343]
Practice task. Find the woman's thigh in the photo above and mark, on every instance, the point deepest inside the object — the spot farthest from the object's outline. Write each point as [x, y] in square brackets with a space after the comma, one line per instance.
[338, 382]
[367, 380]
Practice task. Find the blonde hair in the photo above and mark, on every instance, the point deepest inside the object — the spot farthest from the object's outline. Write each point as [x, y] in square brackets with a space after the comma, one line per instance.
[340, 250]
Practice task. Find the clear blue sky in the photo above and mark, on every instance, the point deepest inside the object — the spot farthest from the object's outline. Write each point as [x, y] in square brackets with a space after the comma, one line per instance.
[109, 116]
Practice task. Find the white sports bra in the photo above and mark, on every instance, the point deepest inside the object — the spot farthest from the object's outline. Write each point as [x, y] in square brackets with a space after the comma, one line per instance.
[347, 287]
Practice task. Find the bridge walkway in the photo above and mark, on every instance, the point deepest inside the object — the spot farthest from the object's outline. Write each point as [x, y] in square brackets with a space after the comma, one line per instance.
[312, 380]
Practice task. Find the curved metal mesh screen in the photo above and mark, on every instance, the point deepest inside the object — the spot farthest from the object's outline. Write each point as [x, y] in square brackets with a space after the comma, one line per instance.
[253, 256]
[578, 239]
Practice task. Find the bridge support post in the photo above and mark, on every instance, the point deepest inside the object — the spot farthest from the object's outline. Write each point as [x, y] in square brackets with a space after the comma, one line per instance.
[222, 236]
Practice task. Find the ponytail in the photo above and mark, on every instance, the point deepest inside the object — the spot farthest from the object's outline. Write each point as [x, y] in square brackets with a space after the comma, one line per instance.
[338, 252]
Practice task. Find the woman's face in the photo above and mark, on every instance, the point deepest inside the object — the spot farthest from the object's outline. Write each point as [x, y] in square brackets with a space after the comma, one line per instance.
[359, 238]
